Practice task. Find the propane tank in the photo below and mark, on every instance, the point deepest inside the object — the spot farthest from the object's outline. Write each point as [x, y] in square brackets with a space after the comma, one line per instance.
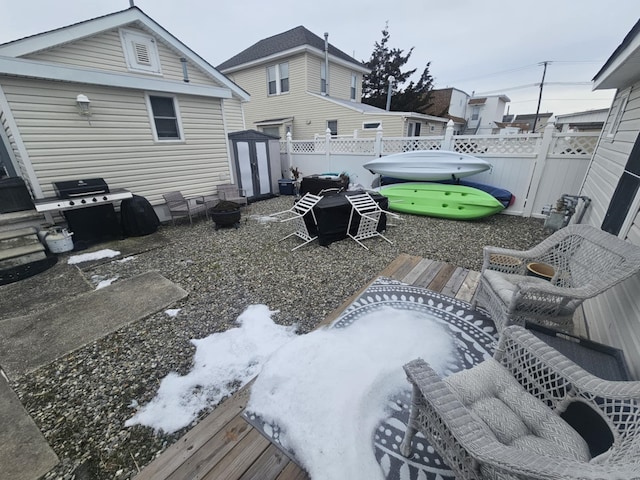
[59, 240]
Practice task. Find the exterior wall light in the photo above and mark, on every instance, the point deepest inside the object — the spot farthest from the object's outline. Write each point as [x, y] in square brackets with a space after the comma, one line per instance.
[83, 105]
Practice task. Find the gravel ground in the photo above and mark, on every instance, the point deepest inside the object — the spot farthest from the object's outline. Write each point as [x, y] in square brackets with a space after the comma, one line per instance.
[81, 401]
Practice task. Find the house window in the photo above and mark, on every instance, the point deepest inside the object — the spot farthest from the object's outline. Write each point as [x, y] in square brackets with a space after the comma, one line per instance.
[140, 52]
[354, 79]
[333, 126]
[625, 193]
[278, 79]
[323, 78]
[617, 118]
[413, 129]
[475, 113]
[165, 117]
[274, 131]
[370, 125]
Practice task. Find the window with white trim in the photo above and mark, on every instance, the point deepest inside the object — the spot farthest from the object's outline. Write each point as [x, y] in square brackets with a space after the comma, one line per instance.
[140, 52]
[278, 79]
[332, 125]
[370, 125]
[165, 117]
[354, 79]
[617, 118]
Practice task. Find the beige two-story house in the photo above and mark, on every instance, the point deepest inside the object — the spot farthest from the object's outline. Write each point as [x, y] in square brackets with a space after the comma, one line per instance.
[300, 83]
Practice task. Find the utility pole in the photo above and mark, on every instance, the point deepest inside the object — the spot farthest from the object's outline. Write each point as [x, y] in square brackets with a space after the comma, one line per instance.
[533, 130]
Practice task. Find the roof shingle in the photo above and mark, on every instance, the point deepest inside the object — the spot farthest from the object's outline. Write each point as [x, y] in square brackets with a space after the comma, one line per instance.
[296, 37]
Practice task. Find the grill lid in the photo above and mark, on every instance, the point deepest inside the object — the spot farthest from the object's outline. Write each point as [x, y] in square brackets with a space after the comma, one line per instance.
[77, 188]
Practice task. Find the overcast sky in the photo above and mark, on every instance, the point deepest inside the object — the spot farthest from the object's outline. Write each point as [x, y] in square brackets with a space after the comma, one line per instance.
[486, 47]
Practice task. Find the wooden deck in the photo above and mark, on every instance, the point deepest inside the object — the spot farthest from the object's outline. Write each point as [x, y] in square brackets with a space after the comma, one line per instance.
[224, 446]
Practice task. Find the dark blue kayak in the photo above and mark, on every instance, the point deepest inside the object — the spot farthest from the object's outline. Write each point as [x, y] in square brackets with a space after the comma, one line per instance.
[505, 197]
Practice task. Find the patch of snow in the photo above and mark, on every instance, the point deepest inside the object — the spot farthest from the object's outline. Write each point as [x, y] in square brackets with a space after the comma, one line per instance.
[86, 257]
[221, 362]
[172, 312]
[329, 390]
[125, 259]
[106, 283]
[264, 219]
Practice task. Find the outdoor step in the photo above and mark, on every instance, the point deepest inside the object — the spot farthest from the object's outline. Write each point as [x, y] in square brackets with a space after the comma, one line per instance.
[13, 220]
[19, 241]
[12, 257]
[21, 232]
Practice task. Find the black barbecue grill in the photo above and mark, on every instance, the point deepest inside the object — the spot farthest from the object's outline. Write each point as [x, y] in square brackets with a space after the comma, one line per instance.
[87, 206]
[81, 188]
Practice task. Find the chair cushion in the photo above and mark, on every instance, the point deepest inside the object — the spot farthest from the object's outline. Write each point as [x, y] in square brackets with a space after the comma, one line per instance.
[513, 416]
[504, 284]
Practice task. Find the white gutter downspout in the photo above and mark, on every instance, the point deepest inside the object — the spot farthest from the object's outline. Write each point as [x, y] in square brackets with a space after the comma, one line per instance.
[326, 61]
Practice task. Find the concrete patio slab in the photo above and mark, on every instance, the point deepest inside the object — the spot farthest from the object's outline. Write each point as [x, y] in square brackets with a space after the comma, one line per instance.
[24, 453]
[30, 341]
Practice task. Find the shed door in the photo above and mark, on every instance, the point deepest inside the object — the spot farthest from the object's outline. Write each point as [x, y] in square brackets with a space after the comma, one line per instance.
[252, 162]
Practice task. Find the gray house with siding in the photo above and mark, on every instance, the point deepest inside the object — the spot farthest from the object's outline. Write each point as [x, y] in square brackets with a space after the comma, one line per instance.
[158, 115]
[612, 182]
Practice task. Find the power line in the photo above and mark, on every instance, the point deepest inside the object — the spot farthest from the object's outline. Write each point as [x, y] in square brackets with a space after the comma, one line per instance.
[494, 74]
[517, 69]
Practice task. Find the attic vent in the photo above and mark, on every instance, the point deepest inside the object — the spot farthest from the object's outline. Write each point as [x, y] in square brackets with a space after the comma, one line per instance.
[142, 53]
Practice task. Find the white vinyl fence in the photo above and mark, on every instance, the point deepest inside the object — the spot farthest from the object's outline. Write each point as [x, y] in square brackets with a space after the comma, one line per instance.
[536, 168]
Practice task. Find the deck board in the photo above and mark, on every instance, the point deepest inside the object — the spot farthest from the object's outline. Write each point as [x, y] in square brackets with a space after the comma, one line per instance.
[224, 445]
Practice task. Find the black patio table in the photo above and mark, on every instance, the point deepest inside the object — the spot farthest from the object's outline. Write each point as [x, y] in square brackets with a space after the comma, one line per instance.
[332, 214]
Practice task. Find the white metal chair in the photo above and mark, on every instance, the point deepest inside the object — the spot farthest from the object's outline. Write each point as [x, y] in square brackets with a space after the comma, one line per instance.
[184, 207]
[297, 213]
[367, 213]
[527, 413]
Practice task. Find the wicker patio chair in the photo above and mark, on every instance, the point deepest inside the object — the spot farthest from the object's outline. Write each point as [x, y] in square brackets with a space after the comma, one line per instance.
[297, 213]
[527, 413]
[366, 214]
[586, 261]
[179, 206]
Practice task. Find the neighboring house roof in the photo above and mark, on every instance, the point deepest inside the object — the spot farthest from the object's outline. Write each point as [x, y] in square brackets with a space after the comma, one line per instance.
[440, 100]
[524, 122]
[530, 117]
[483, 100]
[11, 64]
[367, 109]
[274, 121]
[457, 119]
[289, 41]
[589, 115]
[622, 67]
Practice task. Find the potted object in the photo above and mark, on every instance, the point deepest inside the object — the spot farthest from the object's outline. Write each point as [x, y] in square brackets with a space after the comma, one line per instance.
[225, 214]
[540, 270]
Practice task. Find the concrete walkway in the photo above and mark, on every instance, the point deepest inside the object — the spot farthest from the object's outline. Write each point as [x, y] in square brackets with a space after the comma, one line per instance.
[37, 339]
[50, 315]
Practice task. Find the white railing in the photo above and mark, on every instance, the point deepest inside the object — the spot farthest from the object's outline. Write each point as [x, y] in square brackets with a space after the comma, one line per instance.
[537, 168]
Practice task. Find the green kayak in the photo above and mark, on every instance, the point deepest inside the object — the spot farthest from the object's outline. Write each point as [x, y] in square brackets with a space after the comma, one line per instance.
[441, 200]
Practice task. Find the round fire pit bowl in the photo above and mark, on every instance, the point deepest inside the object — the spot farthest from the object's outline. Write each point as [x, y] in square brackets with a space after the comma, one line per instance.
[225, 214]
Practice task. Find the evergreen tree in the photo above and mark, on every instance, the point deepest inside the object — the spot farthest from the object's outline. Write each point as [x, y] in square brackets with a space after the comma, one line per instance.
[386, 62]
[416, 97]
